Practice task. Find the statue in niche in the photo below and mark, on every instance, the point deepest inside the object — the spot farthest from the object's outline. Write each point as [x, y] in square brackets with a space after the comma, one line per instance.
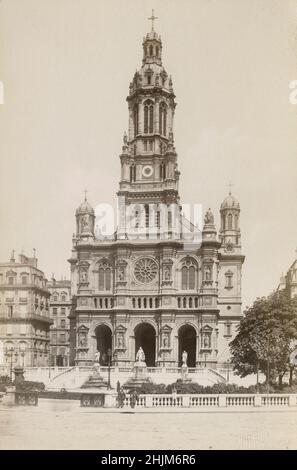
[206, 341]
[85, 223]
[167, 273]
[209, 218]
[166, 340]
[83, 276]
[120, 342]
[140, 356]
[82, 339]
[121, 273]
[184, 358]
[207, 273]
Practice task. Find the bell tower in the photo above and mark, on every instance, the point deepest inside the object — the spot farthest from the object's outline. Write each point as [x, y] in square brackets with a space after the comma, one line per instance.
[149, 173]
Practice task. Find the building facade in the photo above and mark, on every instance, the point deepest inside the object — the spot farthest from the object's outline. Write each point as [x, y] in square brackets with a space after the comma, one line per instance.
[160, 281]
[60, 305]
[289, 280]
[24, 313]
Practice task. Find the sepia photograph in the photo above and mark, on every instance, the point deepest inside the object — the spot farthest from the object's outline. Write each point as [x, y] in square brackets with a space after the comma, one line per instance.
[148, 210]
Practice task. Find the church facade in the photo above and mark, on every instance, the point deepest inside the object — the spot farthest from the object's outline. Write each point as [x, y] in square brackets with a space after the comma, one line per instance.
[160, 282]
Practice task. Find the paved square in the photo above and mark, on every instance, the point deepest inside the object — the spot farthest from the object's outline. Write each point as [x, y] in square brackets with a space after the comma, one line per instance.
[64, 425]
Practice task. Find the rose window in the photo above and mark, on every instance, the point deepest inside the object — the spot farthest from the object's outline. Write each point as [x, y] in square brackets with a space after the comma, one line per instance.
[145, 270]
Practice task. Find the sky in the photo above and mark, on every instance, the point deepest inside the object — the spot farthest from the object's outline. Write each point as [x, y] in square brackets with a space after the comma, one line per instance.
[66, 66]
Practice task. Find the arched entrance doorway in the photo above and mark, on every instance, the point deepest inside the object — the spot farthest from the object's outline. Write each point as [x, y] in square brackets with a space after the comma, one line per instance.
[187, 342]
[104, 342]
[145, 337]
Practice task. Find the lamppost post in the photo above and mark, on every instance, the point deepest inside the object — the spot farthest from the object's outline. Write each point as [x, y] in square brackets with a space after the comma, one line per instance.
[205, 357]
[109, 354]
[228, 363]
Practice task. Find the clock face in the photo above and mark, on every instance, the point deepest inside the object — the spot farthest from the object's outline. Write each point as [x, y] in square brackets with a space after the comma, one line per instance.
[147, 171]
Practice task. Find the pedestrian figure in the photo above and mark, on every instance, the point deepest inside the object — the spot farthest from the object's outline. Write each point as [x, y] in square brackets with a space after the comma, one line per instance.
[133, 398]
[121, 398]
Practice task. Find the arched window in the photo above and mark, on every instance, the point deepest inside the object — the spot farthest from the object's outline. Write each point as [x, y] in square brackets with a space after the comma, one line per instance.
[148, 117]
[229, 221]
[162, 171]
[157, 51]
[191, 277]
[162, 118]
[135, 119]
[104, 276]
[132, 173]
[188, 275]
[137, 219]
[157, 224]
[151, 50]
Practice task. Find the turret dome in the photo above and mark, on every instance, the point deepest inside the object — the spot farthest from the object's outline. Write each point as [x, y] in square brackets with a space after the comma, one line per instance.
[85, 208]
[230, 202]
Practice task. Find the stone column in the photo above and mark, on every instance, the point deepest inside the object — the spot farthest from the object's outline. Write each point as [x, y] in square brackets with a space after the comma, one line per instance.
[131, 127]
[156, 117]
[92, 343]
[140, 118]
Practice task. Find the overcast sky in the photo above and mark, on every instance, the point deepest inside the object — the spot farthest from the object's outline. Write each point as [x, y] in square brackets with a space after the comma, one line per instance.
[66, 67]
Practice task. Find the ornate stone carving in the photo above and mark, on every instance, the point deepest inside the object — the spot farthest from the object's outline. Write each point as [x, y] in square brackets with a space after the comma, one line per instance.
[82, 337]
[209, 218]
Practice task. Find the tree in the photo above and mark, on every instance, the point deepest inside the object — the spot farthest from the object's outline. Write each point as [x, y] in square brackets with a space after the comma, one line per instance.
[266, 337]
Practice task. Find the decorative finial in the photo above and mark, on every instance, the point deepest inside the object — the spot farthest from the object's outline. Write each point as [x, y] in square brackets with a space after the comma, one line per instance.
[85, 191]
[152, 19]
[34, 253]
[12, 256]
[230, 186]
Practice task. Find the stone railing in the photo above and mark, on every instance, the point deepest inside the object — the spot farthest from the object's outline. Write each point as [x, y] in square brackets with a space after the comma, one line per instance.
[214, 401]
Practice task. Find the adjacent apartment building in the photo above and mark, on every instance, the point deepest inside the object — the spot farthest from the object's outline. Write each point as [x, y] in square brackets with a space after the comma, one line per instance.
[60, 303]
[24, 313]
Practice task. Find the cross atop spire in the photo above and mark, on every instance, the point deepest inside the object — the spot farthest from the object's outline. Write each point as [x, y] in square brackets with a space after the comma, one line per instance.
[230, 186]
[152, 19]
[85, 191]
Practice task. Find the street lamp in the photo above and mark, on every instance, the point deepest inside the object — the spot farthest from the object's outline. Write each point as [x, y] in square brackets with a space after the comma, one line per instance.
[109, 354]
[228, 372]
[9, 353]
[205, 357]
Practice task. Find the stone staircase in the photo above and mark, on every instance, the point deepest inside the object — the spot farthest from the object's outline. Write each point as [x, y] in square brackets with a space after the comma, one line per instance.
[74, 377]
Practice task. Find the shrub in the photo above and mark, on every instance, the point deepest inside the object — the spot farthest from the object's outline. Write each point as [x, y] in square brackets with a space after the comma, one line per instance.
[30, 386]
[150, 387]
[4, 382]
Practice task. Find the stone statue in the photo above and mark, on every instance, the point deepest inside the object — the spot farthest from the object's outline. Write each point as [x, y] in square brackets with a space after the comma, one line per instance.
[184, 358]
[82, 340]
[167, 273]
[85, 223]
[97, 357]
[140, 356]
[120, 341]
[209, 218]
[166, 341]
[83, 276]
[207, 273]
[206, 342]
[121, 273]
